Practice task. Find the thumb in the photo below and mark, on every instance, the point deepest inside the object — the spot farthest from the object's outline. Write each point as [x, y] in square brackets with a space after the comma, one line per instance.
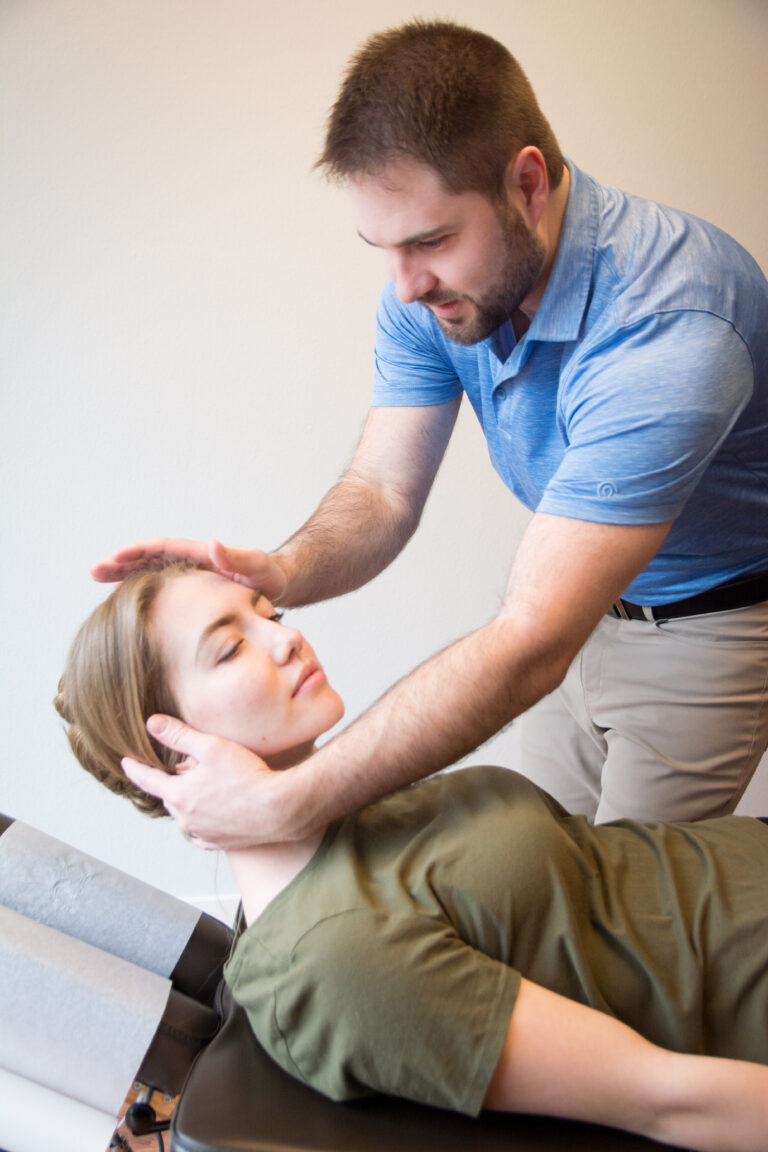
[249, 566]
[232, 562]
[177, 735]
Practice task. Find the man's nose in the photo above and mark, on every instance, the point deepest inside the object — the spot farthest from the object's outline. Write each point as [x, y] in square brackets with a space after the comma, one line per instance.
[412, 279]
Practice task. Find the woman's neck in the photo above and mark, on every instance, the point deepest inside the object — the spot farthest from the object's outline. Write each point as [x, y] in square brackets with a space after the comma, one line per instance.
[263, 871]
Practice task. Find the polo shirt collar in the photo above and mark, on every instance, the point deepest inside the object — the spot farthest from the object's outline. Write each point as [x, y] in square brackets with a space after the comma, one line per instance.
[559, 316]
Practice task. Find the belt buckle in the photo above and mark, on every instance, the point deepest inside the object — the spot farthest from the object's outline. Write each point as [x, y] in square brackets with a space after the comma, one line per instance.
[623, 613]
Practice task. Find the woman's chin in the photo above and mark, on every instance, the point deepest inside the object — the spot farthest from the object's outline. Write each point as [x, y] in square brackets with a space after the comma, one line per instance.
[289, 757]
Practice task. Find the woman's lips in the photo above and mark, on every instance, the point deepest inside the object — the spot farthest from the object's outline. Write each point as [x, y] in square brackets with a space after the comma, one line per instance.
[310, 676]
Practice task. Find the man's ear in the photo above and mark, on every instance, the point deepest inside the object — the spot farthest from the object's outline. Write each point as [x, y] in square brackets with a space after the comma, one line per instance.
[527, 183]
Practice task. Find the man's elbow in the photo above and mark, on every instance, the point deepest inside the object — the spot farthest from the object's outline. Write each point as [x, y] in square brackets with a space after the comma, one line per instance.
[538, 658]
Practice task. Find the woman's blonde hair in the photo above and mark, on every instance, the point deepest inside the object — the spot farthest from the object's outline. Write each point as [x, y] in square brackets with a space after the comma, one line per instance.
[114, 680]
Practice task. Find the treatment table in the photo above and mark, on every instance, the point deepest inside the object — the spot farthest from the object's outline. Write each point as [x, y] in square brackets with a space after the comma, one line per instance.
[106, 981]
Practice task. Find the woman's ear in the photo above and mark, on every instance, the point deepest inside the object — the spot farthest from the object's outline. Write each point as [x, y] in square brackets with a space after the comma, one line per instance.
[527, 184]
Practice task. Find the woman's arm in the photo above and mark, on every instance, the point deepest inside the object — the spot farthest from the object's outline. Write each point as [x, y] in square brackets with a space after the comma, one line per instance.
[564, 1059]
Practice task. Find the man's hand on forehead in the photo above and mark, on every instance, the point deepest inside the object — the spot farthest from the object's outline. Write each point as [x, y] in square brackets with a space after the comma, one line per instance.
[249, 566]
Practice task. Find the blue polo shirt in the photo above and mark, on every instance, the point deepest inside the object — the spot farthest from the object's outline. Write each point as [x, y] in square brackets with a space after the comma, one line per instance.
[639, 394]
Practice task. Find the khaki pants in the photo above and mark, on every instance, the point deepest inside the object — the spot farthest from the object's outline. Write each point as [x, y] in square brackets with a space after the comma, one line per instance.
[662, 720]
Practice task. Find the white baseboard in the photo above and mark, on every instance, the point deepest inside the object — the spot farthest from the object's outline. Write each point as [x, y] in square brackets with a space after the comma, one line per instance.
[222, 907]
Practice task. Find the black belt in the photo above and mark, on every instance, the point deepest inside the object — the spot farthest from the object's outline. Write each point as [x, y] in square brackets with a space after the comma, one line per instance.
[738, 593]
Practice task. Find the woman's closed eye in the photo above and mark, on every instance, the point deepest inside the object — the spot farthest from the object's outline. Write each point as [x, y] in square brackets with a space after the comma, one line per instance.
[232, 647]
[229, 652]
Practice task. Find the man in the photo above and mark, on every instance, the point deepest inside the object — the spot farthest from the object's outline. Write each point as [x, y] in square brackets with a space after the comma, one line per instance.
[616, 354]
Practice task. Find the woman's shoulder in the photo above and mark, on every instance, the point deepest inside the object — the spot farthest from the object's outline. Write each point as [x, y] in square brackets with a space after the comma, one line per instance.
[474, 786]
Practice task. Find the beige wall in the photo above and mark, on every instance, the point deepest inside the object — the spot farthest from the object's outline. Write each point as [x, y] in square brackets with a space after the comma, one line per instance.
[187, 314]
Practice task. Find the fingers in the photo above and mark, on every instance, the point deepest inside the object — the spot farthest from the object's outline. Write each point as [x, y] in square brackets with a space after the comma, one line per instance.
[160, 784]
[249, 566]
[222, 793]
[151, 780]
[177, 735]
[122, 562]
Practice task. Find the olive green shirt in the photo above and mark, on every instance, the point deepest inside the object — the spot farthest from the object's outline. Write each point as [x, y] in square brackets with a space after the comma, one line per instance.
[392, 962]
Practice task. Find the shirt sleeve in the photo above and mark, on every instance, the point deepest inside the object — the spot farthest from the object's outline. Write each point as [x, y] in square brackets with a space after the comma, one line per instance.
[411, 366]
[645, 415]
[400, 1005]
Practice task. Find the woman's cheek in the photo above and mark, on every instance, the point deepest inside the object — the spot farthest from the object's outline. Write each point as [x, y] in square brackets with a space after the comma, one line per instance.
[215, 712]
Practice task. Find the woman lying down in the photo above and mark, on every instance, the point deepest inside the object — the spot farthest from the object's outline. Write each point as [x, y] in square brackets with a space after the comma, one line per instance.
[466, 942]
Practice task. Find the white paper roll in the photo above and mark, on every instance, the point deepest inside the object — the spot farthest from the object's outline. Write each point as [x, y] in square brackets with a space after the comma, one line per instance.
[73, 1018]
[35, 1119]
[48, 880]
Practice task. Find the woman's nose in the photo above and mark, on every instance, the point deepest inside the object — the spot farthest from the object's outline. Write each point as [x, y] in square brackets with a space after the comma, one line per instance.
[285, 643]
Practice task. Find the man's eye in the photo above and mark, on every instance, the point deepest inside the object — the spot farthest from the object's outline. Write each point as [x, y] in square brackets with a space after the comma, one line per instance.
[230, 652]
[277, 617]
[434, 243]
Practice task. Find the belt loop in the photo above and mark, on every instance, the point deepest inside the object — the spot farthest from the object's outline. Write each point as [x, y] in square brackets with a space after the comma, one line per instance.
[620, 610]
[648, 613]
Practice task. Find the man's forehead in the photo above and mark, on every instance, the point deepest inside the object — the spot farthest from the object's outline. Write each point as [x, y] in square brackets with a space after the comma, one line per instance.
[404, 203]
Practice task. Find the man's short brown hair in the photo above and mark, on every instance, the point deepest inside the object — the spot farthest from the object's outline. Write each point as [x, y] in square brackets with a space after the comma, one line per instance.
[443, 95]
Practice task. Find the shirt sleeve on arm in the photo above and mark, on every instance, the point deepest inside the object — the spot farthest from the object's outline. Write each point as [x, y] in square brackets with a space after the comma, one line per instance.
[644, 416]
[395, 1004]
[411, 367]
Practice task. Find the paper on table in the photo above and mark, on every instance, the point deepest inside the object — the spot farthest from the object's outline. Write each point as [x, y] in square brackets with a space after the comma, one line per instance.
[33, 1117]
[73, 1018]
[50, 881]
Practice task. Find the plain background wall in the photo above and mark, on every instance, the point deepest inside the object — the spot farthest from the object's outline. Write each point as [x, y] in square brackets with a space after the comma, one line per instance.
[188, 317]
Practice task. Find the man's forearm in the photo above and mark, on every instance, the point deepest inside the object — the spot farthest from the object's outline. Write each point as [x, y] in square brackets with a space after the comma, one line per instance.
[566, 575]
[351, 537]
[442, 711]
[367, 518]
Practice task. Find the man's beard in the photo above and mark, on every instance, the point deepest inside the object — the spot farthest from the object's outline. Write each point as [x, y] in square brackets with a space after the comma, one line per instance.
[524, 256]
